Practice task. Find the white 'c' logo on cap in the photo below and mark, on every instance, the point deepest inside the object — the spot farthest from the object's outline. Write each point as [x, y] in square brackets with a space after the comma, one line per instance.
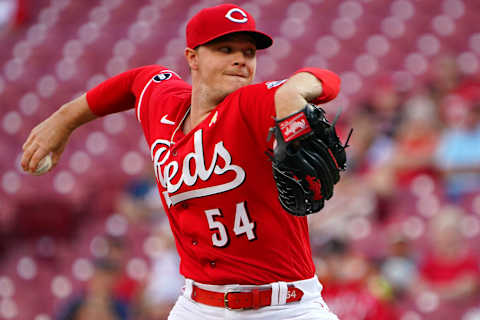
[231, 11]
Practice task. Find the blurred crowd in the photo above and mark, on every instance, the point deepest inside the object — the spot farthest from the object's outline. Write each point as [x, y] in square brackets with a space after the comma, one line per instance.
[396, 242]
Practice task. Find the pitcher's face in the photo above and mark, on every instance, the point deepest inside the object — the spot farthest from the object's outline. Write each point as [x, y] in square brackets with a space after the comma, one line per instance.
[226, 64]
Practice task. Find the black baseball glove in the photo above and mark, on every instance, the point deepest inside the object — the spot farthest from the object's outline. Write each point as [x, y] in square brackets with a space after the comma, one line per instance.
[307, 159]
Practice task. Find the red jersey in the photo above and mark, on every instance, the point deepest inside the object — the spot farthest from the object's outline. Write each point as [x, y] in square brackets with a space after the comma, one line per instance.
[215, 182]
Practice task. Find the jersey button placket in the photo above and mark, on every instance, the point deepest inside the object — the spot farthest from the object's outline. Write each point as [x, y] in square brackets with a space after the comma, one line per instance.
[213, 264]
[173, 150]
[194, 242]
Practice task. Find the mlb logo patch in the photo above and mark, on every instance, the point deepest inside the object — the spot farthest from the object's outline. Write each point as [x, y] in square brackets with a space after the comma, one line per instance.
[273, 84]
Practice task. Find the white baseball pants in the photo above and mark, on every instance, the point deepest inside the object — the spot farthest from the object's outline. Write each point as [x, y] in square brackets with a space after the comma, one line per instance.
[310, 307]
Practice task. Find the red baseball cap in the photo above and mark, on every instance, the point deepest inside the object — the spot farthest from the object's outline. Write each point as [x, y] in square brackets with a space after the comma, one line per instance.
[211, 23]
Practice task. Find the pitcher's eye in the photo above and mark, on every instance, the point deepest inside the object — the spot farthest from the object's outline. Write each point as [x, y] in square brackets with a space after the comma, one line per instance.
[250, 52]
[225, 49]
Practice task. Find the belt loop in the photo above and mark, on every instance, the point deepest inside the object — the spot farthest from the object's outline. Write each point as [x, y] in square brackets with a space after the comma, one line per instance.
[282, 294]
[275, 290]
[188, 288]
[255, 298]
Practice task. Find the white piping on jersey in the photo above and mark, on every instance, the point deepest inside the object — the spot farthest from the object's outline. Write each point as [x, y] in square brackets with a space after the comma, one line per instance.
[145, 88]
[179, 125]
[140, 99]
[208, 191]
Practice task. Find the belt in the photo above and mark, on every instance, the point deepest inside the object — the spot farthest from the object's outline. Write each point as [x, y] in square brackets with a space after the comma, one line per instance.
[237, 300]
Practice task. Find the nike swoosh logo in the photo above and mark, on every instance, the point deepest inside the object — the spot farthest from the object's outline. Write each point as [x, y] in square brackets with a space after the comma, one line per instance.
[164, 120]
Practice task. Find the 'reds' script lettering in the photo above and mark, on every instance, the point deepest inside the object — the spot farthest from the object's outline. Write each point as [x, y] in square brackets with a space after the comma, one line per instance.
[167, 172]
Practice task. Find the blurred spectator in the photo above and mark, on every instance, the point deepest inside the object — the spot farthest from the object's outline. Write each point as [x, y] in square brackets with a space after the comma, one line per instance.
[125, 288]
[141, 204]
[369, 147]
[140, 200]
[165, 283]
[385, 102]
[399, 265]
[405, 156]
[369, 150]
[415, 140]
[450, 270]
[458, 154]
[444, 77]
[348, 280]
[97, 300]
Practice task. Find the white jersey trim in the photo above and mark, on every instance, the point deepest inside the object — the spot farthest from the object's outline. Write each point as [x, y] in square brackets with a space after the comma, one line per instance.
[208, 191]
[140, 99]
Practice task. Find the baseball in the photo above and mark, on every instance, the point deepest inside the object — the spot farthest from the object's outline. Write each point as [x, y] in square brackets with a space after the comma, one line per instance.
[44, 165]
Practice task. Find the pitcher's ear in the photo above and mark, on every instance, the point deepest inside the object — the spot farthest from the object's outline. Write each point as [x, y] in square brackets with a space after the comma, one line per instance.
[192, 58]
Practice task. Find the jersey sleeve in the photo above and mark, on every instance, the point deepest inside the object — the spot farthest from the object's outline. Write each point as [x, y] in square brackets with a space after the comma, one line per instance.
[120, 92]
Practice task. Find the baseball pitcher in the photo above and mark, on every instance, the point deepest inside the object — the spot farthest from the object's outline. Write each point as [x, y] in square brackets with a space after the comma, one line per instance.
[238, 167]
